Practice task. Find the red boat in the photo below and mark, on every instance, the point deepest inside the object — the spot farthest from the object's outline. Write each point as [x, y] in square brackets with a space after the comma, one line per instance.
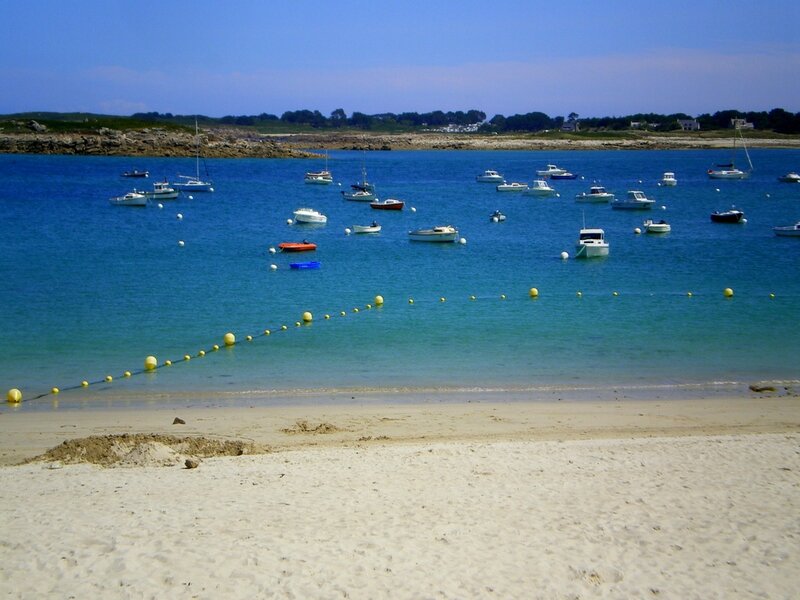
[388, 204]
[303, 246]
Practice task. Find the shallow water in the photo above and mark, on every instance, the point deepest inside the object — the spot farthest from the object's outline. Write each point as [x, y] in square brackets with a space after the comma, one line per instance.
[92, 289]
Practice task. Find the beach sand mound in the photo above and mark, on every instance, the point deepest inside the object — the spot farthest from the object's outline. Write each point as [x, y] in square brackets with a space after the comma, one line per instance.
[303, 426]
[143, 449]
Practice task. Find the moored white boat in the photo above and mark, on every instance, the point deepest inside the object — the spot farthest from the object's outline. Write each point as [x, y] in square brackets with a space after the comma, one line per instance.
[790, 178]
[729, 170]
[133, 198]
[359, 196]
[440, 233]
[668, 179]
[596, 193]
[551, 170]
[194, 183]
[634, 200]
[539, 187]
[789, 231]
[591, 244]
[490, 176]
[651, 226]
[309, 215]
[514, 186]
[162, 191]
[319, 177]
[373, 228]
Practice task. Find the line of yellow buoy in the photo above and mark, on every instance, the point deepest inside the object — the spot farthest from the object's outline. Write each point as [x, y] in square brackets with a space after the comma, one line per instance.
[14, 395]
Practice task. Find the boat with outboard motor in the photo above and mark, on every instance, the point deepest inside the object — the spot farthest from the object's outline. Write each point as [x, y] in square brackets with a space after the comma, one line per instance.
[440, 233]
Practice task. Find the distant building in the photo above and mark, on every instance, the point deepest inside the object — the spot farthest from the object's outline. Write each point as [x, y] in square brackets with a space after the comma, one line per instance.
[571, 126]
[741, 124]
[689, 124]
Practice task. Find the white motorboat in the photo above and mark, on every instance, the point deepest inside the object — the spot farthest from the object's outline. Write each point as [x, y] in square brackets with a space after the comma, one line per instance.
[309, 215]
[490, 177]
[512, 187]
[194, 183]
[497, 217]
[591, 244]
[359, 196]
[440, 233]
[651, 226]
[789, 178]
[374, 228]
[539, 187]
[133, 198]
[596, 193]
[162, 191]
[668, 179]
[551, 170]
[634, 200]
[790, 231]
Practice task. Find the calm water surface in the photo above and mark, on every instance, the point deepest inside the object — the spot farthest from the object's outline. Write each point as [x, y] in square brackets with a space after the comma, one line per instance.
[91, 289]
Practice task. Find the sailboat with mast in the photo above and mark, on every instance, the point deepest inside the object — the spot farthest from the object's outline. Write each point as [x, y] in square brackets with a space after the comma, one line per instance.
[323, 177]
[190, 183]
[730, 170]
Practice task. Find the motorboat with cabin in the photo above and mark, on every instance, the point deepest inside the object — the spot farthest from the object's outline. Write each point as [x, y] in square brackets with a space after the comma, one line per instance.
[591, 244]
[309, 215]
[490, 176]
[550, 170]
[388, 204]
[539, 187]
[162, 190]
[597, 193]
[790, 178]
[133, 198]
[634, 200]
[668, 179]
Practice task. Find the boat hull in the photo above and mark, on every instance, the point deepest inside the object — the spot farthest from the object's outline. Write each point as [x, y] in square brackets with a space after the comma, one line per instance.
[432, 235]
[591, 250]
[728, 174]
[305, 265]
[386, 205]
[194, 186]
[792, 231]
[366, 228]
[297, 247]
[727, 217]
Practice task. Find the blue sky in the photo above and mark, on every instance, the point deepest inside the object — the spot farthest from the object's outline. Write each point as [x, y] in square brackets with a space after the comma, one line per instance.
[241, 57]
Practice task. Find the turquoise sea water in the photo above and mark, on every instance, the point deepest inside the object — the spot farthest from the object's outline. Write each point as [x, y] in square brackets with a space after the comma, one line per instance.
[91, 289]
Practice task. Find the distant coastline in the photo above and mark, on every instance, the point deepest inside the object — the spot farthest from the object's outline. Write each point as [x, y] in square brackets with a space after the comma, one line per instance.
[238, 143]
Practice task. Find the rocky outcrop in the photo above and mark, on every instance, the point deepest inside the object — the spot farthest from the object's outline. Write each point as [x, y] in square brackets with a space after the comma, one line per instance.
[147, 142]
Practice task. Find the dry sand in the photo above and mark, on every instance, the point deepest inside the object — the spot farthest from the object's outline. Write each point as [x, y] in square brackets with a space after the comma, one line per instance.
[629, 499]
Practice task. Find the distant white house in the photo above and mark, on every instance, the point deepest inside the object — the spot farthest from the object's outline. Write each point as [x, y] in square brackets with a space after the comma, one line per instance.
[689, 124]
[570, 126]
[741, 124]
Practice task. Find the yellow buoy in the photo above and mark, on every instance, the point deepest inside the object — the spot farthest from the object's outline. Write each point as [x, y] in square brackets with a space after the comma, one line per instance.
[689, 294]
[355, 310]
[616, 294]
[229, 339]
[187, 358]
[14, 396]
[308, 317]
[267, 332]
[150, 363]
[55, 390]
[502, 296]
[342, 313]
[472, 297]
[167, 363]
[378, 300]
[411, 301]
[284, 328]
[202, 353]
[442, 299]
[297, 323]
[215, 347]
[772, 295]
[109, 378]
[84, 383]
[580, 294]
[327, 316]
[533, 293]
[368, 306]
[727, 292]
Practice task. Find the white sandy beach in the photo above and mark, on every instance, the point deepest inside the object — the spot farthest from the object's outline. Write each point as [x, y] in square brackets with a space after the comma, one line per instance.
[525, 500]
